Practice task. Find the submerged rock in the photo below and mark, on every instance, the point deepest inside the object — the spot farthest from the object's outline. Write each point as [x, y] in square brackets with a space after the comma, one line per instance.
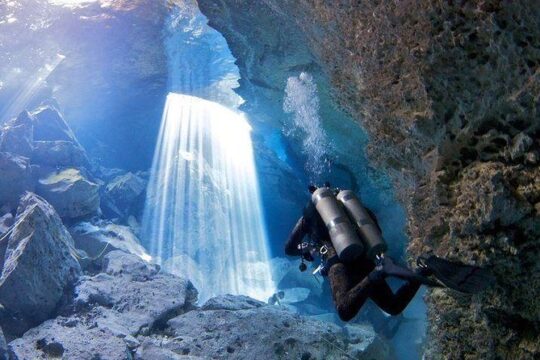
[49, 125]
[16, 178]
[125, 190]
[257, 332]
[6, 221]
[59, 153]
[99, 239]
[232, 302]
[38, 265]
[71, 193]
[109, 313]
[17, 136]
[70, 338]
[140, 297]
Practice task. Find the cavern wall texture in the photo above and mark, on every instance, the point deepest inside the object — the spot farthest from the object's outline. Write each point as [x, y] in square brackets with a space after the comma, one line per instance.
[448, 92]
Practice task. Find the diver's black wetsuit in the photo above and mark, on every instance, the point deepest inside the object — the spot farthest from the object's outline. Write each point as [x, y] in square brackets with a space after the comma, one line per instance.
[350, 284]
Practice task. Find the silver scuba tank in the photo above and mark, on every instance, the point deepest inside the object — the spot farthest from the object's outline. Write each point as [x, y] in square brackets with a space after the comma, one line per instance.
[367, 229]
[342, 233]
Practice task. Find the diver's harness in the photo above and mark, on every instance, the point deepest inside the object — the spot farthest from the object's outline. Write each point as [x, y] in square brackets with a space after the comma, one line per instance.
[307, 248]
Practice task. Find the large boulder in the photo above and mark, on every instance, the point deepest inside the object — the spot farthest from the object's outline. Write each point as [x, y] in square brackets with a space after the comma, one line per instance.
[101, 238]
[109, 313]
[49, 125]
[70, 191]
[263, 332]
[126, 190]
[17, 136]
[38, 265]
[16, 177]
[59, 153]
[70, 338]
[6, 221]
[141, 297]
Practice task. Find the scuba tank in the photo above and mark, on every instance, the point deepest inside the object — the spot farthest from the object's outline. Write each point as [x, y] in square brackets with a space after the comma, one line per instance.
[367, 229]
[342, 233]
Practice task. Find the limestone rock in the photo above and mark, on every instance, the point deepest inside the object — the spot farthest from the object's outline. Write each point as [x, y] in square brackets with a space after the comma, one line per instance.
[256, 332]
[100, 239]
[49, 125]
[70, 338]
[17, 136]
[38, 265]
[140, 296]
[71, 193]
[125, 190]
[520, 144]
[108, 174]
[5, 223]
[119, 262]
[59, 153]
[15, 179]
[109, 313]
[232, 302]
[484, 200]
[364, 342]
[151, 350]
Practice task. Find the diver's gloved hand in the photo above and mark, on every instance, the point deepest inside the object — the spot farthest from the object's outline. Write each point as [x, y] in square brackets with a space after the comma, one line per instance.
[378, 274]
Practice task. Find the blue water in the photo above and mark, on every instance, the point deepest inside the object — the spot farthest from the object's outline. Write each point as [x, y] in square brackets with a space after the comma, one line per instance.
[117, 118]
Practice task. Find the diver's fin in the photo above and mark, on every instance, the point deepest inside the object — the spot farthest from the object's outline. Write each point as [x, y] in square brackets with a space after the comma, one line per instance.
[458, 276]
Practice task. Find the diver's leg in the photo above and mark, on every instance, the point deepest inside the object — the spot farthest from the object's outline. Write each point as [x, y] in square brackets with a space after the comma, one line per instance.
[348, 300]
[394, 304]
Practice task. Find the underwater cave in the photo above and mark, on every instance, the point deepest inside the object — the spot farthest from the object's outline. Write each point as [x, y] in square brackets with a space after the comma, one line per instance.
[269, 179]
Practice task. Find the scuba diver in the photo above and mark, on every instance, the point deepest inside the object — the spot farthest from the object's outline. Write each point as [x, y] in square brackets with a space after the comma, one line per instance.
[349, 241]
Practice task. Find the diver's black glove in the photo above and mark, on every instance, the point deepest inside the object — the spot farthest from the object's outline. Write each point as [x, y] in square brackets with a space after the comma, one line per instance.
[378, 274]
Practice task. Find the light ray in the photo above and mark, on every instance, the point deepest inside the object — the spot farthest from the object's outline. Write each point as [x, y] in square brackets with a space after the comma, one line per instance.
[21, 99]
[203, 203]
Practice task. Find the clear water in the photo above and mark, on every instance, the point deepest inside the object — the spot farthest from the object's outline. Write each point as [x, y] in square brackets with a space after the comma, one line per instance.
[204, 215]
[302, 101]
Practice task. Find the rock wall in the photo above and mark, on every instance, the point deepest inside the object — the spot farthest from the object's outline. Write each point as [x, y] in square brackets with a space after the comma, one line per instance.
[448, 92]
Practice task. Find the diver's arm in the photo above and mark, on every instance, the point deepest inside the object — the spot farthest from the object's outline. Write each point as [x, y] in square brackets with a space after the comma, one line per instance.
[348, 300]
[298, 233]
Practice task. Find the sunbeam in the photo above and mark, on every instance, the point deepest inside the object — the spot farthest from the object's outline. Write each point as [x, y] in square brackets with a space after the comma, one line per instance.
[21, 99]
[203, 216]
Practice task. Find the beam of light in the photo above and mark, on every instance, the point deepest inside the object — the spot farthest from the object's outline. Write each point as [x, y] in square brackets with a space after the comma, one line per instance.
[19, 102]
[203, 216]
[71, 3]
